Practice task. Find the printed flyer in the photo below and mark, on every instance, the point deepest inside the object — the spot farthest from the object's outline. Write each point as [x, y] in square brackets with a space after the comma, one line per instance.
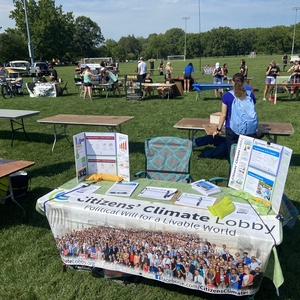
[101, 152]
[260, 168]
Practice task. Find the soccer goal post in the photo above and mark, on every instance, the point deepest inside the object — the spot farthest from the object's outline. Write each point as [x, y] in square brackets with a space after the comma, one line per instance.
[252, 55]
[176, 57]
[97, 60]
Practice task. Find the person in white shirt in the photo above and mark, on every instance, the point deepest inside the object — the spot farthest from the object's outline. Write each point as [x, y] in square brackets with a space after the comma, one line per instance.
[142, 68]
[255, 263]
[198, 278]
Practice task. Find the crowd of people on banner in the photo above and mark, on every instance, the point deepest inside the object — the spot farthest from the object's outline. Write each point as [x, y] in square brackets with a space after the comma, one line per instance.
[164, 255]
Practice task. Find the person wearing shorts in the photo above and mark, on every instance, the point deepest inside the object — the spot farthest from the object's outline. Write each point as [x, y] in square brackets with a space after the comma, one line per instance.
[218, 75]
[188, 71]
[87, 82]
[272, 72]
[295, 78]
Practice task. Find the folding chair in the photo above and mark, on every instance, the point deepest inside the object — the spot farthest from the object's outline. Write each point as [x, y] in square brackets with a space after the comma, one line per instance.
[168, 159]
[64, 88]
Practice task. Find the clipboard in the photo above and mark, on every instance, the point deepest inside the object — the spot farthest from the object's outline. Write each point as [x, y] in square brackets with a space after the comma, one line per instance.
[158, 193]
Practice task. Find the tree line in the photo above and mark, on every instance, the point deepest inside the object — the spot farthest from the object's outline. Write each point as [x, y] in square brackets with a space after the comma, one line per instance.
[57, 34]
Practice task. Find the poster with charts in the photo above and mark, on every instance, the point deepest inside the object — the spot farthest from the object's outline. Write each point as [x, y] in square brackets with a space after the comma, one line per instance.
[260, 168]
[101, 152]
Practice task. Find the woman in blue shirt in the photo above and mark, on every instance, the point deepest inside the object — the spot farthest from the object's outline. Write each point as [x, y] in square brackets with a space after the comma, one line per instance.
[188, 71]
[227, 99]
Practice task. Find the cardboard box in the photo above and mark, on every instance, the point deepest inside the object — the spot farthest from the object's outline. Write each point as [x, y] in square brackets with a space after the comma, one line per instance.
[214, 118]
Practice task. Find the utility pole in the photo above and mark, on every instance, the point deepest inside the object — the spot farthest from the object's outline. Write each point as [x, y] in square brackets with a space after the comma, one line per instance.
[185, 18]
[30, 47]
[294, 8]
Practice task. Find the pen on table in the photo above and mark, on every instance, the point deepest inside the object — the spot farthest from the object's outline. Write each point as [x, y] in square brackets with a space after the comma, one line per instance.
[199, 201]
[167, 194]
[171, 194]
[144, 190]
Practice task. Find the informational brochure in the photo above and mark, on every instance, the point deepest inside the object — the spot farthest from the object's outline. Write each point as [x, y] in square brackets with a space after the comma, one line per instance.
[196, 201]
[260, 168]
[122, 188]
[244, 211]
[82, 190]
[101, 152]
[158, 193]
[205, 187]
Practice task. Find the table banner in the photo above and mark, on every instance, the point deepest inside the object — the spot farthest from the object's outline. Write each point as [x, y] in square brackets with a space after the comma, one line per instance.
[174, 244]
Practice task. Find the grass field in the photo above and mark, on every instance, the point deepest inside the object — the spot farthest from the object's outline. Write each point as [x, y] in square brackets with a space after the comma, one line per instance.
[30, 263]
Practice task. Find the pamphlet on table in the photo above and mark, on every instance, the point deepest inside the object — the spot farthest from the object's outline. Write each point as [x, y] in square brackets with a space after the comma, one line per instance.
[205, 187]
[196, 201]
[101, 152]
[260, 168]
[124, 189]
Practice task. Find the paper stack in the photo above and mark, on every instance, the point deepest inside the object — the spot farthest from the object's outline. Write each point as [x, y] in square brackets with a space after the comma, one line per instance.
[205, 187]
[214, 118]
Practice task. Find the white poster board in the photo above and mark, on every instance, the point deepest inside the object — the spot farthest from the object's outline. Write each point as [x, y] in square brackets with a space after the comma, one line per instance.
[260, 168]
[101, 152]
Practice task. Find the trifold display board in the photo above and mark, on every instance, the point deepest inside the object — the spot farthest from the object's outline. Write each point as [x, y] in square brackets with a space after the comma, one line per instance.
[260, 168]
[101, 152]
[133, 85]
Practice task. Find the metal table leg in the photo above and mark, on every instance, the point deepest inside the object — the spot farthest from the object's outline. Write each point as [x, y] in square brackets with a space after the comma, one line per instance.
[21, 123]
[60, 129]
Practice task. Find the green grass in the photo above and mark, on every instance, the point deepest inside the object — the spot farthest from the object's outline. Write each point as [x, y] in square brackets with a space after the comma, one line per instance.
[30, 262]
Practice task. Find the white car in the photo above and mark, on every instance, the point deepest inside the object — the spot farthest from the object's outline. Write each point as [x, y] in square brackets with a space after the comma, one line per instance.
[18, 66]
[39, 69]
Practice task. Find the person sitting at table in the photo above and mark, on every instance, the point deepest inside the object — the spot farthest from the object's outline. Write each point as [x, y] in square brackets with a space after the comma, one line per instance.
[42, 79]
[3, 73]
[219, 142]
[112, 78]
[295, 78]
[188, 71]
[240, 94]
[163, 91]
[272, 72]
[147, 89]
[218, 75]
[53, 74]
[17, 85]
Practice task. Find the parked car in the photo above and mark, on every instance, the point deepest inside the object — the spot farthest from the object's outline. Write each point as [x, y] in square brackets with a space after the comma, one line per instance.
[16, 67]
[39, 69]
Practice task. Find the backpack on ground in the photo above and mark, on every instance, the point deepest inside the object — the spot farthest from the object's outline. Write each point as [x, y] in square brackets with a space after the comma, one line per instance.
[243, 115]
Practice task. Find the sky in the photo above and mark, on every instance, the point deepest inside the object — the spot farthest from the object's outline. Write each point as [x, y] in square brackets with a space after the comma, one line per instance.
[118, 18]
